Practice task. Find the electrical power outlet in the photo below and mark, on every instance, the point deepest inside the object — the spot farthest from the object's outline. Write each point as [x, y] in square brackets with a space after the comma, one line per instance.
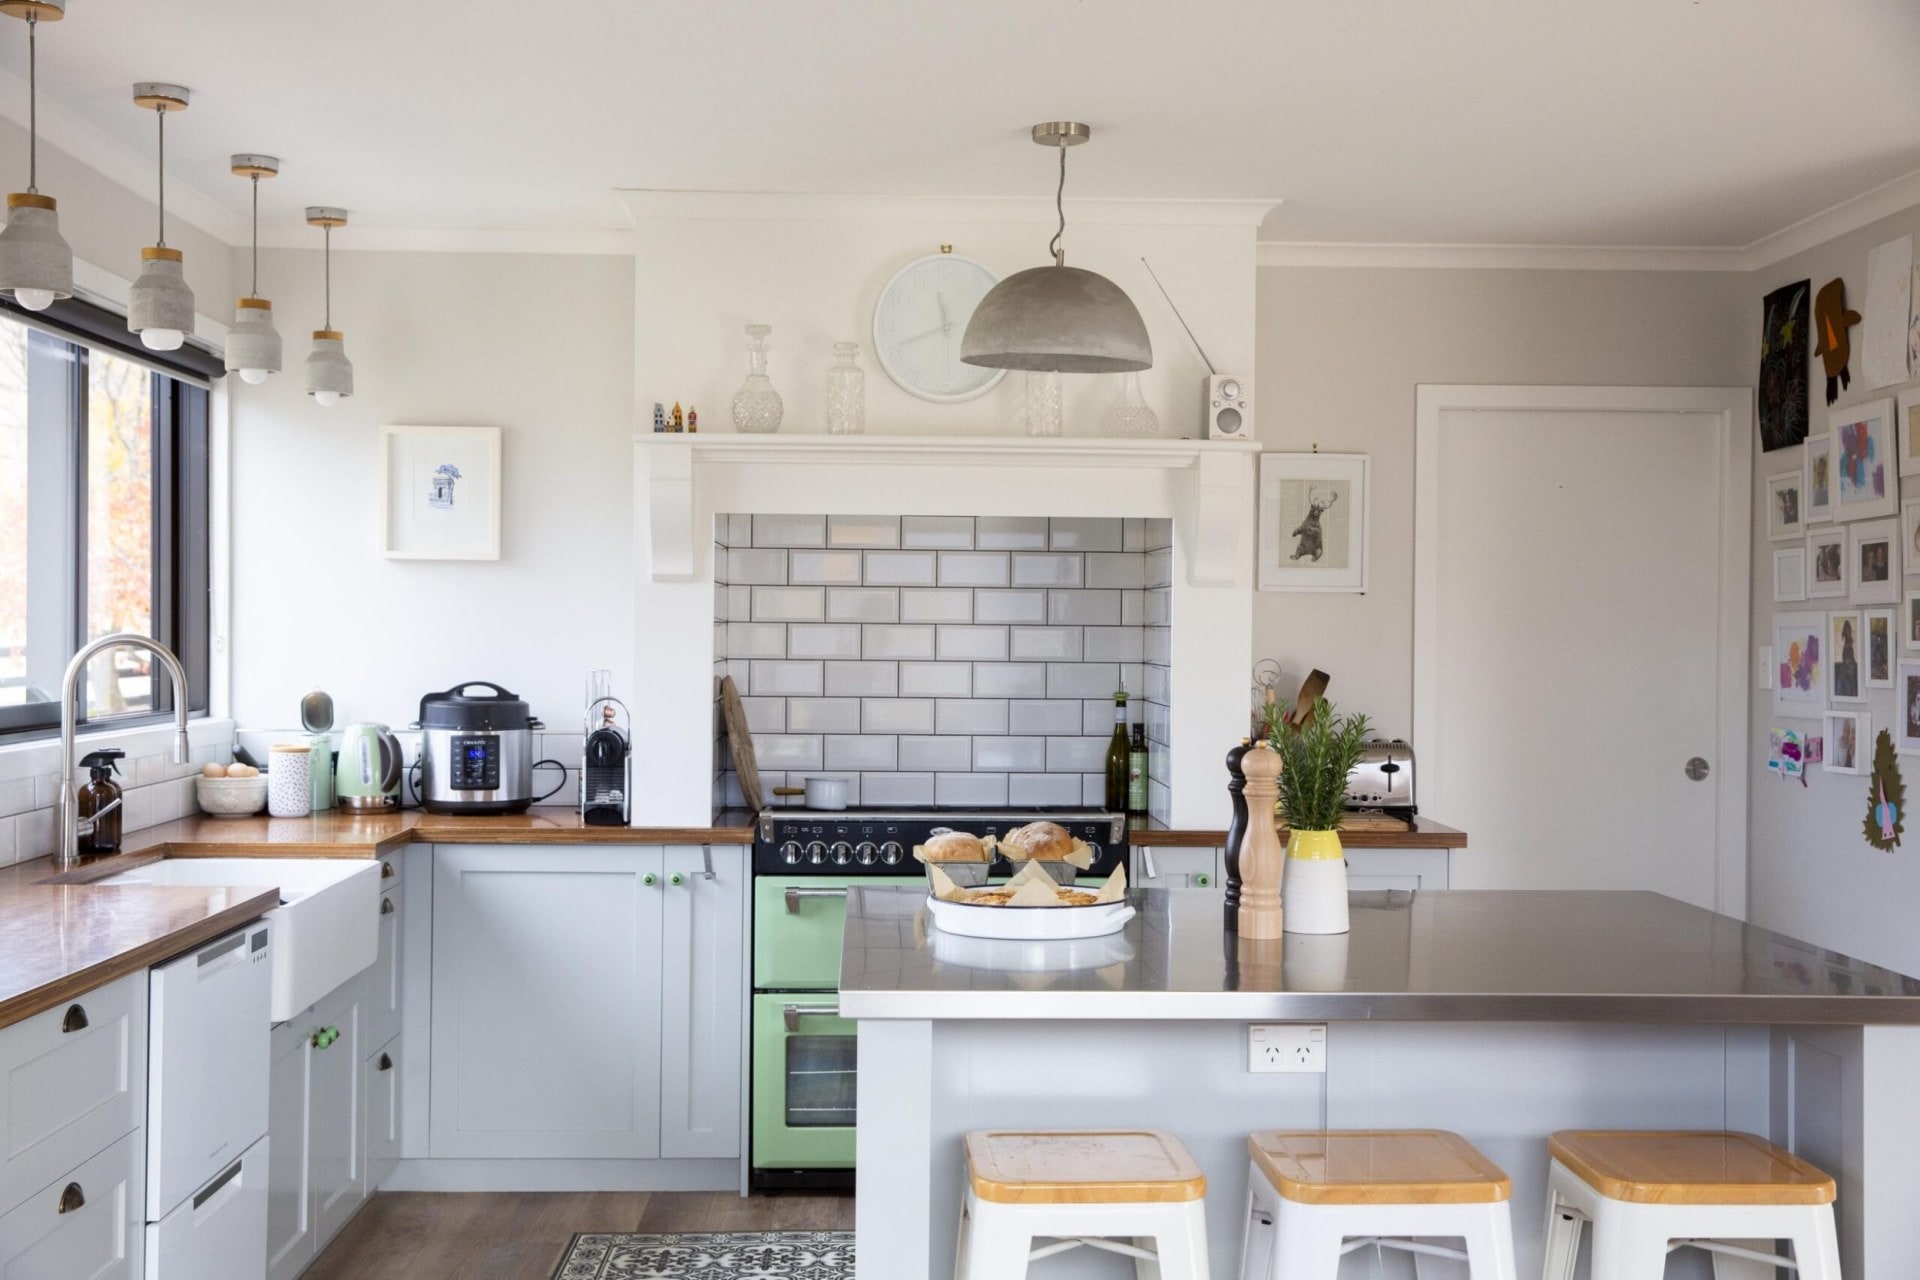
[1299, 1047]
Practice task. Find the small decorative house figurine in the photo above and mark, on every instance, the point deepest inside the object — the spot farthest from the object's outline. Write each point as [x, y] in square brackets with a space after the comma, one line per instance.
[659, 416]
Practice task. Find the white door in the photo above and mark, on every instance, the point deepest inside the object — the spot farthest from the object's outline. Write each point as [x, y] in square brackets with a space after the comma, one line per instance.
[289, 1198]
[1581, 569]
[333, 1115]
[703, 986]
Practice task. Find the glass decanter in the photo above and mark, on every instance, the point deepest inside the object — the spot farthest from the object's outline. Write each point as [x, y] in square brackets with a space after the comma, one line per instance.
[1130, 414]
[1043, 404]
[757, 406]
[846, 392]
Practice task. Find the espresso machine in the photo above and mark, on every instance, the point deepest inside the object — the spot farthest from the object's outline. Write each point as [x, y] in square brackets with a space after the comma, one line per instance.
[606, 767]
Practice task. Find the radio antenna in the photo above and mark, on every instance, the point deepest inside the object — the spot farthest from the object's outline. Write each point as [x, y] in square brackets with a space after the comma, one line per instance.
[1182, 319]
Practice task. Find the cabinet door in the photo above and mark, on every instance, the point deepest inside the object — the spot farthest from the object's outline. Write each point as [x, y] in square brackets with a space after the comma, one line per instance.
[289, 1198]
[1396, 869]
[333, 1114]
[702, 995]
[546, 1002]
[380, 1087]
[85, 1225]
[1175, 867]
[380, 984]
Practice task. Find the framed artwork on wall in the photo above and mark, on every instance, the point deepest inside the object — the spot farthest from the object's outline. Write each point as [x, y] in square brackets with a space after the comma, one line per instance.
[1873, 562]
[1786, 516]
[1909, 419]
[1790, 575]
[440, 493]
[1817, 500]
[1313, 521]
[1827, 563]
[1880, 646]
[1910, 623]
[1906, 709]
[1846, 734]
[1910, 536]
[1800, 665]
[1865, 482]
[1846, 652]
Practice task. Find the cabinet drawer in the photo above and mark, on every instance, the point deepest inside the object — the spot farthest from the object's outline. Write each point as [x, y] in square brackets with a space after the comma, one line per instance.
[1175, 867]
[219, 1232]
[85, 1225]
[73, 1079]
[380, 1086]
[380, 1005]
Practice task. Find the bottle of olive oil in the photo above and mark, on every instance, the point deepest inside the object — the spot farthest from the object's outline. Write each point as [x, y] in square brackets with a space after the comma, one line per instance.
[1119, 757]
[1137, 773]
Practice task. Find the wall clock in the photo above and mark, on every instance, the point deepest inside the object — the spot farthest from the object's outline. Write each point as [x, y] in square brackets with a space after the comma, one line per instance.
[919, 320]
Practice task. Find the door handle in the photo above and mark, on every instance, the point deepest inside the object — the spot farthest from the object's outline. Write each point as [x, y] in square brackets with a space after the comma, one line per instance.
[793, 894]
[72, 1198]
[386, 906]
[791, 1014]
[1146, 856]
[1697, 769]
[706, 860]
[76, 1020]
[386, 1062]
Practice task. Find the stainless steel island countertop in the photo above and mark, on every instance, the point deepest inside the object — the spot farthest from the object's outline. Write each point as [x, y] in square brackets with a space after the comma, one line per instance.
[1441, 955]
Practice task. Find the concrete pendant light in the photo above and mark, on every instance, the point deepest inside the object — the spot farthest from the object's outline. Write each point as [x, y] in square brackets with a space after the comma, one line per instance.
[1059, 318]
[253, 344]
[160, 306]
[36, 266]
[329, 375]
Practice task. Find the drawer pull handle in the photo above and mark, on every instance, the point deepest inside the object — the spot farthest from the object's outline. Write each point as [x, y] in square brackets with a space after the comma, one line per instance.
[386, 1062]
[213, 1188]
[72, 1198]
[792, 1014]
[386, 906]
[792, 894]
[76, 1019]
[325, 1036]
[386, 871]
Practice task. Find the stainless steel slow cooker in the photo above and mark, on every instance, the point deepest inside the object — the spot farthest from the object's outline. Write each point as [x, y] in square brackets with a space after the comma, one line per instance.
[476, 750]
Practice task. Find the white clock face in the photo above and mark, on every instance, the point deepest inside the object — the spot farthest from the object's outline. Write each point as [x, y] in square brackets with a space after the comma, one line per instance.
[919, 322]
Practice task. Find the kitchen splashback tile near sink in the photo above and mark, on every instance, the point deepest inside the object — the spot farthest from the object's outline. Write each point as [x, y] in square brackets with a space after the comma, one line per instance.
[1010, 606]
[836, 568]
[863, 604]
[1011, 533]
[864, 532]
[924, 605]
[898, 568]
[937, 532]
[936, 679]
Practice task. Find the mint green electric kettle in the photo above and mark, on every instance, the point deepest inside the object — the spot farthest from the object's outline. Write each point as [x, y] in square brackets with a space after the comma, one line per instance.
[368, 774]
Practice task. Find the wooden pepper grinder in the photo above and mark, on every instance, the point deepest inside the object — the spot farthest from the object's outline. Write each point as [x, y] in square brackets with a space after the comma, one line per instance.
[1262, 859]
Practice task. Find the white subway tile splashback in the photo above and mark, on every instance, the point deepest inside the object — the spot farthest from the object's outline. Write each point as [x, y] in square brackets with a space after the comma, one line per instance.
[863, 604]
[1031, 715]
[823, 640]
[765, 715]
[832, 568]
[794, 679]
[923, 605]
[973, 644]
[946, 533]
[936, 679]
[1058, 644]
[788, 750]
[970, 789]
[936, 754]
[896, 788]
[1047, 569]
[1082, 679]
[862, 679]
[756, 567]
[884, 641]
[1025, 789]
[789, 531]
[863, 532]
[1076, 755]
[1133, 608]
[823, 715]
[973, 568]
[1116, 570]
[1083, 608]
[789, 604]
[1009, 680]
[1113, 644]
[1010, 606]
[896, 715]
[898, 568]
[970, 715]
[856, 752]
[995, 754]
[1011, 533]
[1084, 533]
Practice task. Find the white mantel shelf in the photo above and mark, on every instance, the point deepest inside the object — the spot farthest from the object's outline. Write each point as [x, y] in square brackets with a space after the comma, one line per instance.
[1075, 451]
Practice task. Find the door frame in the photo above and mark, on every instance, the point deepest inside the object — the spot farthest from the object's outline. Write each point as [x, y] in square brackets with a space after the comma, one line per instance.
[1733, 409]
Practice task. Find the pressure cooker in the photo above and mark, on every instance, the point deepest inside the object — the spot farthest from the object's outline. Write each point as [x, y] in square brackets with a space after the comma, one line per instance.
[477, 751]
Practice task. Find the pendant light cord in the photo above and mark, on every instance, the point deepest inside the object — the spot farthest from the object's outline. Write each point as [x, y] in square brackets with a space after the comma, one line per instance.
[161, 111]
[329, 277]
[255, 291]
[33, 105]
[1060, 207]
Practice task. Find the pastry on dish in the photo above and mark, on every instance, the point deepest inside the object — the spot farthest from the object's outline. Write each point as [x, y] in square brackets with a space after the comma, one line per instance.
[1045, 842]
[953, 846]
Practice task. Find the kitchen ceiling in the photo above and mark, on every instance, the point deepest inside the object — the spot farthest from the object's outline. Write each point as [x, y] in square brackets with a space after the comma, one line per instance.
[1510, 122]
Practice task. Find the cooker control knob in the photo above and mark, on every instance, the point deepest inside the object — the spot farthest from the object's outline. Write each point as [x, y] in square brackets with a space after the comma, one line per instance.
[891, 853]
[867, 852]
[816, 852]
[791, 853]
[1096, 849]
[842, 853]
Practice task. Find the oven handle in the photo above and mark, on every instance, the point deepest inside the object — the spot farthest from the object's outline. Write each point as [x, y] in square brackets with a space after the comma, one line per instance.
[794, 893]
[791, 1014]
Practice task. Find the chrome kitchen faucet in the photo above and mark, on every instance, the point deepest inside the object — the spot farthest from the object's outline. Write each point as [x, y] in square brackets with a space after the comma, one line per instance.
[66, 849]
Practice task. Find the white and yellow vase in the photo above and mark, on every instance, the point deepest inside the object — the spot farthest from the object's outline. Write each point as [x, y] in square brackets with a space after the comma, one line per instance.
[1315, 884]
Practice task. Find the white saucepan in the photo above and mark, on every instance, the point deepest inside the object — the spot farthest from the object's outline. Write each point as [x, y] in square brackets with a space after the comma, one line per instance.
[821, 793]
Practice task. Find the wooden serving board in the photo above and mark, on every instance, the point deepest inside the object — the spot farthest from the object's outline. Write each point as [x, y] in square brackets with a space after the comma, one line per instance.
[740, 744]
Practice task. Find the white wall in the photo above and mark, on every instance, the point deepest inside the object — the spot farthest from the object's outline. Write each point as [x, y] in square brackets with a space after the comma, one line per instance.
[1811, 874]
[1340, 353]
[540, 346]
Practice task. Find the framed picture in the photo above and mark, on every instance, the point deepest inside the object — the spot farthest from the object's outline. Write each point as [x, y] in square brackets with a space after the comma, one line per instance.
[1910, 536]
[1827, 563]
[1879, 631]
[1865, 483]
[441, 490]
[1910, 623]
[1873, 568]
[1790, 574]
[1906, 709]
[1800, 665]
[1786, 518]
[1845, 750]
[1909, 418]
[1313, 521]
[1818, 498]
[1845, 650]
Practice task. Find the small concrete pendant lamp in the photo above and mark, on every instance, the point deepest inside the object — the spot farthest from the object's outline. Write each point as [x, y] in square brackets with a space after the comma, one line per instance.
[160, 306]
[36, 266]
[1059, 318]
[329, 375]
[253, 344]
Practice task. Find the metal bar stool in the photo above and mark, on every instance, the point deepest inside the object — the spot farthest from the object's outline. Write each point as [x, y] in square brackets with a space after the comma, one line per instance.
[1314, 1197]
[1132, 1192]
[1650, 1193]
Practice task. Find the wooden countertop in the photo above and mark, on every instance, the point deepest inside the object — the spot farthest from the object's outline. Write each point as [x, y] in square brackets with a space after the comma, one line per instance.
[339, 833]
[1379, 831]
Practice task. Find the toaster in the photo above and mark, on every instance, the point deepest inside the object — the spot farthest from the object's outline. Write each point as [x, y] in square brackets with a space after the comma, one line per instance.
[1384, 777]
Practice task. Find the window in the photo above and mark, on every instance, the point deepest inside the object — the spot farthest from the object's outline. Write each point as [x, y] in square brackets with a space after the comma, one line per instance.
[103, 523]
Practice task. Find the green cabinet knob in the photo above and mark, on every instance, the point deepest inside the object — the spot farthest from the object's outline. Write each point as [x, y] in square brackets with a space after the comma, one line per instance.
[1203, 881]
[325, 1036]
[676, 878]
[648, 878]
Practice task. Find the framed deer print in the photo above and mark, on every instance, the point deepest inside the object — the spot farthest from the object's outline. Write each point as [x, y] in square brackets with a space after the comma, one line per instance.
[1313, 522]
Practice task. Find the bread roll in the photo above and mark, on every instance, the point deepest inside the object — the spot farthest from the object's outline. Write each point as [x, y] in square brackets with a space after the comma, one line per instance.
[1038, 841]
[953, 846]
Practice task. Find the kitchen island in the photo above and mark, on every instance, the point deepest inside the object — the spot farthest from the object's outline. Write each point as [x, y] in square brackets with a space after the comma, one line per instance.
[1503, 1015]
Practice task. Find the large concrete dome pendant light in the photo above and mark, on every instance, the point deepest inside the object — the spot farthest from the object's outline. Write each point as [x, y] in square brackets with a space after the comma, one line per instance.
[1059, 318]
[160, 306]
[253, 344]
[329, 375]
[36, 266]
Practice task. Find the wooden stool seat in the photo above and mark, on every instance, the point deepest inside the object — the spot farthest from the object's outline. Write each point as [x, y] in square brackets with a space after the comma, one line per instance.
[1378, 1166]
[1662, 1167]
[1081, 1166]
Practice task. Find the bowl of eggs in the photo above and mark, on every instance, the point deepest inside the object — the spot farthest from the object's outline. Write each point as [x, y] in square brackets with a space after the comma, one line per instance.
[231, 790]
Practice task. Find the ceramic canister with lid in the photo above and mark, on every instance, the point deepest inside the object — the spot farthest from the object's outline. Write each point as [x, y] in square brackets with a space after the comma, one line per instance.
[290, 780]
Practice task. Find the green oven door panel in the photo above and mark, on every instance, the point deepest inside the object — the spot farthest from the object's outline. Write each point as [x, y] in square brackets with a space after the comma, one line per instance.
[799, 950]
[803, 1086]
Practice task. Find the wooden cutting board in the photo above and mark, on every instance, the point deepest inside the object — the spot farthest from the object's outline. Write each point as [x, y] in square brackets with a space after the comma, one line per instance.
[740, 744]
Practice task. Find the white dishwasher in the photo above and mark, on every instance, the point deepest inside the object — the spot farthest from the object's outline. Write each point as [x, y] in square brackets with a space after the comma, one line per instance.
[209, 1056]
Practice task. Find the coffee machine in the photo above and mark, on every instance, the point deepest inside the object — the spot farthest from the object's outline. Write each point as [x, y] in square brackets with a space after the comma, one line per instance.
[606, 767]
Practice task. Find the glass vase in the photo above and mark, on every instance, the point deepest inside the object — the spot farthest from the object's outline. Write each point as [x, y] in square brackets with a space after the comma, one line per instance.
[1130, 414]
[757, 406]
[846, 392]
[1043, 404]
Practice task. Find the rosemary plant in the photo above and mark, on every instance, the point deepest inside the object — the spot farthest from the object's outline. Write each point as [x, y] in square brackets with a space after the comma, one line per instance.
[1314, 764]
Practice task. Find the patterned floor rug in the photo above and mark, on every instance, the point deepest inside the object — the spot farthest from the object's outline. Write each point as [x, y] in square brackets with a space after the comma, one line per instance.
[710, 1255]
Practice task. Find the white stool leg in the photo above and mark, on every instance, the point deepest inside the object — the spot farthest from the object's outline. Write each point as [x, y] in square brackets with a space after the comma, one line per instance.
[1816, 1248]
[1489, 1237]
[1728, 1267]
[997, 1244]
[966, 1227]
[1564, 1228]
[1147, 1268]
[1183, 1246]
[1257, 1260]
[1306, 1245]
[1626, 1245]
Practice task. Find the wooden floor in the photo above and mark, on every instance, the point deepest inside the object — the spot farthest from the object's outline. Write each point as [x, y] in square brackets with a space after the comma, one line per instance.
[409, 1235]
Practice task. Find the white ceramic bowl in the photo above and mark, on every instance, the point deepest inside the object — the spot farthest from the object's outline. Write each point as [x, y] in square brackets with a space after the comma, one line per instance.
[231, 797]
[1030, 923]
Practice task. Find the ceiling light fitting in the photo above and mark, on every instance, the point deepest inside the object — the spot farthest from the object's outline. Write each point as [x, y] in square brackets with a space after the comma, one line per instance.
[329, 374]
[253, 344]
[1058, 318]
[36, 264]
[160, 306]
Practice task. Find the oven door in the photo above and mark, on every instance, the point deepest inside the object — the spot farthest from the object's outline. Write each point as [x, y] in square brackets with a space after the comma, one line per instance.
[803, 1082]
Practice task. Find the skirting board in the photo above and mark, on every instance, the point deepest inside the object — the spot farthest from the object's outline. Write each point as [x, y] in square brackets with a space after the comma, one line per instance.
[564, 1175]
